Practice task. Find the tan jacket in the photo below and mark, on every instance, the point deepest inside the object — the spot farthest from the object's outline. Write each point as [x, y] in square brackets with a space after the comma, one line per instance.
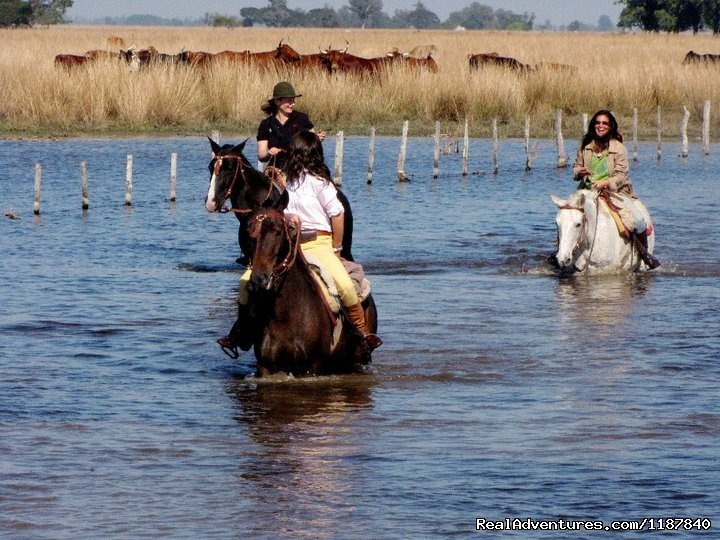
[617, 162]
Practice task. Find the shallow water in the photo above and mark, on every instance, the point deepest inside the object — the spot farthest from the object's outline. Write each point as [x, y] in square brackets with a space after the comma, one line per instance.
[501, 391]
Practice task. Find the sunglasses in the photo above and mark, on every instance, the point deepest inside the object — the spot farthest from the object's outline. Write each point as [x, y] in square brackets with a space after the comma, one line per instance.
[601, 123]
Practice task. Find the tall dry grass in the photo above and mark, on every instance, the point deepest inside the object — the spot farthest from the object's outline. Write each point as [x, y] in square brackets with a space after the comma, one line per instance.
[615, 71]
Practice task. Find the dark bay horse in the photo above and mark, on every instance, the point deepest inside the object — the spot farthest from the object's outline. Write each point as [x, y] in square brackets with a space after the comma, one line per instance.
[233, 178]
[293, 329]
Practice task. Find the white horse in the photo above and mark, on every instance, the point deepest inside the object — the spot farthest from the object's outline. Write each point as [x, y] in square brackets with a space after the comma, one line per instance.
[589, 241]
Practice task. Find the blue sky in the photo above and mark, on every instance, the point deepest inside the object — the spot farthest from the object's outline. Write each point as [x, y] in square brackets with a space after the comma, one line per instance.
[558, 12]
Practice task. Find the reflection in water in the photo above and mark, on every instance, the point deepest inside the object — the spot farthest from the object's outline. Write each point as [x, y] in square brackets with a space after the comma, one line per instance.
[599, 303]
[307, 433]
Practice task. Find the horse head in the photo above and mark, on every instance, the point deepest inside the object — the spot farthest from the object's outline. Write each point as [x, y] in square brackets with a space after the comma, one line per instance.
[572, 226]
[276, 243]
[227, 169]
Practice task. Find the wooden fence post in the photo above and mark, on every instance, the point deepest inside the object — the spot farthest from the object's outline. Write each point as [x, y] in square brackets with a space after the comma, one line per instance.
[706, 127]
[84, 186]
[562, 156]
[659, 134]
[436, 151]
[466, 149]
[401, 176]
[527, 143]
[495, 146]
[635, 134]
[38, 181]
[371, 156]
[339, 149]
[683, 132]
[128, 180]
[173, 175]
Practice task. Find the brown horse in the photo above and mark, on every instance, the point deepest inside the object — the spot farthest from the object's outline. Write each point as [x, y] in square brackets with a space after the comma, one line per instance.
[292, 327]
[233, 177]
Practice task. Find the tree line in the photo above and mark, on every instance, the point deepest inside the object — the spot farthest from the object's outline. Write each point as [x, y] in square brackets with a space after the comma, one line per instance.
[30, 12]
[670, 15]
[369, 14]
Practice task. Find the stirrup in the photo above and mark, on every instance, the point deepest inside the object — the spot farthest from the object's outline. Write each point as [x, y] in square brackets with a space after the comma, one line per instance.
[228, 348]
[651, 262]
[373, 341]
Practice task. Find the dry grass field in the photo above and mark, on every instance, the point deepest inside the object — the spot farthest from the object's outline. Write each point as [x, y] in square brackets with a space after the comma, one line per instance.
[615, 71]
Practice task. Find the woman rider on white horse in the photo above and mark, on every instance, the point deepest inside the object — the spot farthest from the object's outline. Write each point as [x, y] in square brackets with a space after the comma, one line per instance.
[602, 163]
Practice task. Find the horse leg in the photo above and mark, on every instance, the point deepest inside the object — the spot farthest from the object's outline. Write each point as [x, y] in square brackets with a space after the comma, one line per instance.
[641, 244]
[244, 241]
[346, 252]
[241, 333]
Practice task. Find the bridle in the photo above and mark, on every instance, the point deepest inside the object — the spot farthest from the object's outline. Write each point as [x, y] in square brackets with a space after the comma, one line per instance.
[238, 169]
[280, 269]
[583, 232]
[239, 172]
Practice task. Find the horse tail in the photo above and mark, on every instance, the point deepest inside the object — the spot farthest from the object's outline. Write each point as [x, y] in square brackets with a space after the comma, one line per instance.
[346, 252]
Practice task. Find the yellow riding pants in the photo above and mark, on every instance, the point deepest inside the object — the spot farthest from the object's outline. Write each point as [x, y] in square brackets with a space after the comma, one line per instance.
[321, 249]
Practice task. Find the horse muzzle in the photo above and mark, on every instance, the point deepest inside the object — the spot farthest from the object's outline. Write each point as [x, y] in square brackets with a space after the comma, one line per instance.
[262, 282]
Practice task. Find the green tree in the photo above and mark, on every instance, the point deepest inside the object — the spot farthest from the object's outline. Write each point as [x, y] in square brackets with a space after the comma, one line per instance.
[224, 21]
[420, 17]
[605, 24]
[710, 15]
[368, 12]
[473, 17]
[641, 14]
[15, 13]
[513, 21]
[663, 15]
[50, 11]
[324, 17]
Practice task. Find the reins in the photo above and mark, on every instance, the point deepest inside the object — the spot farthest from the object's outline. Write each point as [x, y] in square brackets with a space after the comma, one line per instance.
[583, 231]
[239, 168]
[289, 260]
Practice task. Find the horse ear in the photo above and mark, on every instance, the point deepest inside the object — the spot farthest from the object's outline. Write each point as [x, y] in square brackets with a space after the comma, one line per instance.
[215, 146]
[237, 149]
[558, 201]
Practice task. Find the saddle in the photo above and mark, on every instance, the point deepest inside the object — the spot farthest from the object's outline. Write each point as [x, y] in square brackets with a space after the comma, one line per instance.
[614, 205]
[326, 284]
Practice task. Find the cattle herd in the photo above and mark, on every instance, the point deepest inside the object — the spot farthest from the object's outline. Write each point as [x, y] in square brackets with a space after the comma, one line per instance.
[283, 56]
[326, 60]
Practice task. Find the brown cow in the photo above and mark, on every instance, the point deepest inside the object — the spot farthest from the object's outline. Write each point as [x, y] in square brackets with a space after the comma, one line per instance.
[115, 41]
[416, 64]
[196, 58]
[128, 56]
[70, 61]
[349, 63]
[694, 58]
[553, 66]
[477, 61]
[310, 62]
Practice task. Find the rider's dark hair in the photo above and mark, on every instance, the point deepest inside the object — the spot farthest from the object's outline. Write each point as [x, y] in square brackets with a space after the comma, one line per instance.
[602, 142]
[306, 154]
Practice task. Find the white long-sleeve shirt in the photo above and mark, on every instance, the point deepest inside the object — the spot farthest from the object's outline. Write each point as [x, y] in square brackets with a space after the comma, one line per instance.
[314, 201]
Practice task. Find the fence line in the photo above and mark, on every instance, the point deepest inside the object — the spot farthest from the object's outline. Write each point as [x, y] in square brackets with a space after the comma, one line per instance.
[530, 154]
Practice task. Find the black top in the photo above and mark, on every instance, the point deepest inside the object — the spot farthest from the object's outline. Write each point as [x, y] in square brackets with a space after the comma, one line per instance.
[279, 136]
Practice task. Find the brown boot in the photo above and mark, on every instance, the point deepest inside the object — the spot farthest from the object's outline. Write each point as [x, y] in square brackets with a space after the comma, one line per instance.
[241, 334]
[357, 317]
[641, 244]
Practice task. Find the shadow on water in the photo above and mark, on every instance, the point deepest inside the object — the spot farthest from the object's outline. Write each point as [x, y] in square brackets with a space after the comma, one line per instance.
[601, 303]
[304, 435]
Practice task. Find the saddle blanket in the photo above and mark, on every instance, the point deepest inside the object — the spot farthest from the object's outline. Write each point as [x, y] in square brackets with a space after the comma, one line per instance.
[327, 284]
